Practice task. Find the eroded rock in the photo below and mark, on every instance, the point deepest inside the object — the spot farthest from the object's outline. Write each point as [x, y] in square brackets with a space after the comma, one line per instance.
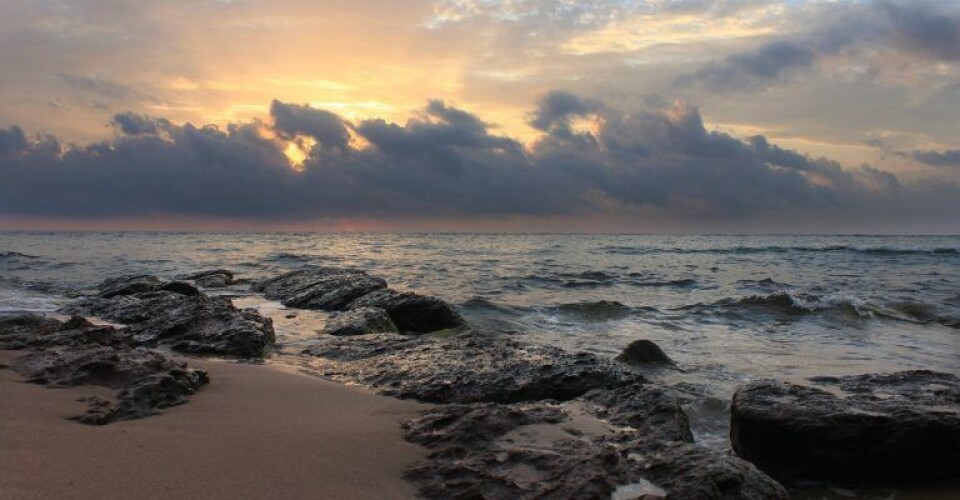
[412, 312]
[644, 352]
[34, 331]
[360, 321]
[213, 278]
[889, 427]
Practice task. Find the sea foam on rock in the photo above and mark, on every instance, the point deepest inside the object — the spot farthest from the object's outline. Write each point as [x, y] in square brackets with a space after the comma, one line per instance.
[77, 352]
[885, 427]
[178, 316]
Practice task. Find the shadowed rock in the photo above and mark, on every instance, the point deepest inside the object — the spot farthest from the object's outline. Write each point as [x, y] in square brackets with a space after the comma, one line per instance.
[890, 427]
[173, 315]
[466, 367]
[360, 321]
[35, 332]
[127, 285]
[569, 451]
[644, 352]
[213, 278]
[412, 312]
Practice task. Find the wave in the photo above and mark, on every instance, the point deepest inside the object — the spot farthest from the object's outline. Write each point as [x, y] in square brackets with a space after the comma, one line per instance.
[600, 310]
[779, 249]
[16, 255]
[298, 257]
[786, 302]
[666, 283]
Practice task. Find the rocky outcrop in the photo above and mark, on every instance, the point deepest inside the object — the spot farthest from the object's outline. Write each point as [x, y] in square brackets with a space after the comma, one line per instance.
[332, 289]
[644, 352]
[889, 427]
[360, 321]
[213, 278]
[178, 316]
[78, 353]
[569, 451]
[466, 367]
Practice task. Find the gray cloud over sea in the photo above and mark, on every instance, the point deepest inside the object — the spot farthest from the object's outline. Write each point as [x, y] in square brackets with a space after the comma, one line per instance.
[592, 159]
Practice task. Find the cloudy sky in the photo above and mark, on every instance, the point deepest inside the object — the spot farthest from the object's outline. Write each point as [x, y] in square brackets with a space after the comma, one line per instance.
[600, 115]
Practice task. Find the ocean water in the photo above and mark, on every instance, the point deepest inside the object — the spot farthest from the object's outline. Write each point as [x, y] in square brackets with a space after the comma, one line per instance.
[727, 309]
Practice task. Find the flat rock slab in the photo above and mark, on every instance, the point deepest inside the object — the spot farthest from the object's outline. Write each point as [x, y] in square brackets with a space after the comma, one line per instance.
[76, 352]
[465, 367]
[888, 427]
[573, 451]
[177, 315]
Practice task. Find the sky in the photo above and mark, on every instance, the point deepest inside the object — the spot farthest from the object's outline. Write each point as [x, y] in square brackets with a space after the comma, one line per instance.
[675, 116]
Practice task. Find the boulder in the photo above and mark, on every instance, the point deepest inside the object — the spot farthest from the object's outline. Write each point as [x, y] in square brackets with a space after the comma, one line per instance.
[37, 332]
[412, 312]
[889, 427]
[213, 278]
[360, 321]
[127, 285]
[644, 352]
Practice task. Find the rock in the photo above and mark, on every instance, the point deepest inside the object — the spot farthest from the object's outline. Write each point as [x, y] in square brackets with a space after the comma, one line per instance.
[412, 312]
[214, 281]
[203, 274]
[360, 321]
[319, 288]
[890, 427]
[191, 322]
[37, 332]
[146, 381]
[465, 367]
[127, 285]
[568, 451]
[644, 352]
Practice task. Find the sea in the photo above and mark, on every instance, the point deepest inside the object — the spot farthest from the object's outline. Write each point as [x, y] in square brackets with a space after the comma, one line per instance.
[726, 309]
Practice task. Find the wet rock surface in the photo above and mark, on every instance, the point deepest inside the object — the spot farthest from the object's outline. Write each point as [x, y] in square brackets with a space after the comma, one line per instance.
[644, 352]
[886, 427]
[569, 450]
[76, 353]
[465, 367]
[213, 278]
[177, 315]
[334, 289]
[360, 321]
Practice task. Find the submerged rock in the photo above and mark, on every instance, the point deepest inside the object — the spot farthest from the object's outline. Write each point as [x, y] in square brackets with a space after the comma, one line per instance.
[332, 289]
[889, 427]
[76, 352]
[466, 367]
[174, 316]
[644, 352]
[360, 321]
[569, 451]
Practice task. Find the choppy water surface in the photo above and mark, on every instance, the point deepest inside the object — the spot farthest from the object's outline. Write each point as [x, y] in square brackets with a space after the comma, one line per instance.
[727, 309]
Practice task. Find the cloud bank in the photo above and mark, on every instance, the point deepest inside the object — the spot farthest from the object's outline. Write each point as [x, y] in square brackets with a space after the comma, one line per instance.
[447, 162]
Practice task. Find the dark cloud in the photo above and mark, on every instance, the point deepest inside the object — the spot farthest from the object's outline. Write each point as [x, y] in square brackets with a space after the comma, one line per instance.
[447, 163]
[747, 70]
[947, 158]
[99, 86]
[923, 28]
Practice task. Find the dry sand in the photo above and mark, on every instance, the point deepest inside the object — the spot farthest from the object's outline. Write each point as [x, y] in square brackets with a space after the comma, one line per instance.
[254, 432]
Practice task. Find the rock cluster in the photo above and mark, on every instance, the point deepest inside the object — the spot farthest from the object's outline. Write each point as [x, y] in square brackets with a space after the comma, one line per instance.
[887, 427]
[332, 289]
[177, 315]
[76, 352]
[214, 278]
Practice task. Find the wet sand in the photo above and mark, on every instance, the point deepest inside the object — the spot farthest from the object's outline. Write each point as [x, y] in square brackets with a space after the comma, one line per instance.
[253, 432]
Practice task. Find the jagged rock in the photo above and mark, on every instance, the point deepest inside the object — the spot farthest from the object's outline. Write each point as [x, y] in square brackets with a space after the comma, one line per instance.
[191, 322]
[36, 332]
[127, 285]
[146, 381]
[644, 352]
[466, 367]
[888, 427]
[412, 312]
[569, 451]
[213, 278]
[320, 288]
[360, 321]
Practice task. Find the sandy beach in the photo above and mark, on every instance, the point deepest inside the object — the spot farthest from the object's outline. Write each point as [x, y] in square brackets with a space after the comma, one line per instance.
[254, 432]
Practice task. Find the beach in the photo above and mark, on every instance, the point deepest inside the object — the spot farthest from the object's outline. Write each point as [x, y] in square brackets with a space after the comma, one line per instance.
[254, 432]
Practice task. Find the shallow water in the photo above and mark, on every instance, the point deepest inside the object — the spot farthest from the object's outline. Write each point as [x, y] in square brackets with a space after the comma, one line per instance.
[727, 309]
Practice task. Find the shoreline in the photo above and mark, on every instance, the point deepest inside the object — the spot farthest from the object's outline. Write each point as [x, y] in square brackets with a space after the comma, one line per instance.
[255, 431]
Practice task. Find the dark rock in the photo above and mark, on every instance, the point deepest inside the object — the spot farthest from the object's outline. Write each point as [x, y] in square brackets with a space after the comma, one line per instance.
[466, 367]
[180, 287]
[214, 281]
[890, 427]
[203, 274]
[197, 324]
[641, 406]
[360, 321]
[128, 285]
[644, 352]
[319, 288]
[568, 451]
[36, 332]
[146, 381]
[412, 312]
